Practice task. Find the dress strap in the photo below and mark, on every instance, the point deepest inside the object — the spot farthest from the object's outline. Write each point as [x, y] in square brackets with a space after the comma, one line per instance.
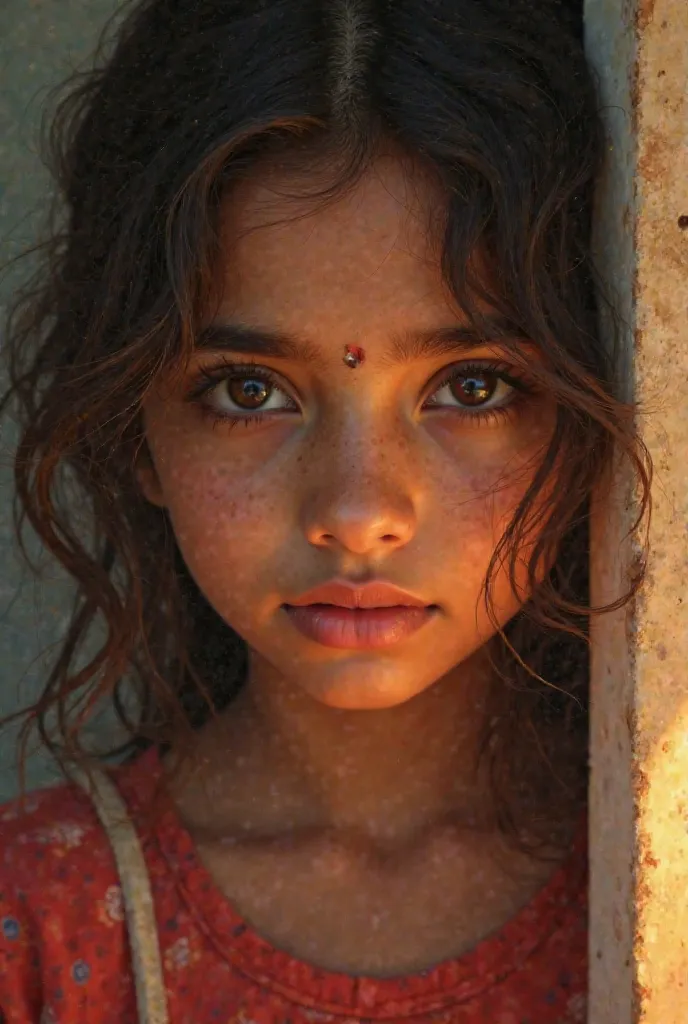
[136, 892]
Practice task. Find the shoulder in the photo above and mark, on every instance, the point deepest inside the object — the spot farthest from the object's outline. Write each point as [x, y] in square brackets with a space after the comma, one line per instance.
[60, 900]
[52, 837]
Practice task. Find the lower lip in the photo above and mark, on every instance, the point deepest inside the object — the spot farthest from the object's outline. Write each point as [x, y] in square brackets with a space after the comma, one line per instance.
[358, 628]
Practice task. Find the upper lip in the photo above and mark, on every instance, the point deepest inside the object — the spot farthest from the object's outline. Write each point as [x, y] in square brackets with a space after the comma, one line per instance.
[376, 594]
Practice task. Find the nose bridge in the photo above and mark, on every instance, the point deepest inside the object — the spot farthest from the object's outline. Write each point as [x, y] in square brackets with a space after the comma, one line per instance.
[363, 449]
[362, 491]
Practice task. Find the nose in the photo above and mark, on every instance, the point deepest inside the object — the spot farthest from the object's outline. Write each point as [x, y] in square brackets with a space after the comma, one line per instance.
[365, 511]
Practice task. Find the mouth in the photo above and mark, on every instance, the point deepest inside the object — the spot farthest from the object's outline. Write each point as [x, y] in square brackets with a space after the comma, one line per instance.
[373, 616]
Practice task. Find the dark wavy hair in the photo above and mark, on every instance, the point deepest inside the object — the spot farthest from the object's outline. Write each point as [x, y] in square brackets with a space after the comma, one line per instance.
[494, 97]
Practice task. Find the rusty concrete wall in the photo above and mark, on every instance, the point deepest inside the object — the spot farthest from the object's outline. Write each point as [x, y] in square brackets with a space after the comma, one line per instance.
[639, 797]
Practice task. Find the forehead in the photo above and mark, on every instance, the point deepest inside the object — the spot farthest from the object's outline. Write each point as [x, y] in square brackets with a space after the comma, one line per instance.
[369, 254]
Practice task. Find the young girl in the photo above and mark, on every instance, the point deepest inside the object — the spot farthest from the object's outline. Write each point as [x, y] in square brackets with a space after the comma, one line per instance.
[312, 406]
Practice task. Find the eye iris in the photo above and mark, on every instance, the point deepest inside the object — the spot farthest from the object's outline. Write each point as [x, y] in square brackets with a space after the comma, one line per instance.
[475, 388]
[248, 392]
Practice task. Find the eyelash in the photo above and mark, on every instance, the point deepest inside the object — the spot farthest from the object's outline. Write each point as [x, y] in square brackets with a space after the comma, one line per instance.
[504, 372]
[210, 377]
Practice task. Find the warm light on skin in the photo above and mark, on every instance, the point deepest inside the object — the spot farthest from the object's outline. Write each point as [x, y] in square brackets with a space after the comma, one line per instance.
[357, 479]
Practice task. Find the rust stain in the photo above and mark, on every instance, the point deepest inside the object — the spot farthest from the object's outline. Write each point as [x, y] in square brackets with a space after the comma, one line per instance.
[657, 159]
[645, 13]
[642, 994]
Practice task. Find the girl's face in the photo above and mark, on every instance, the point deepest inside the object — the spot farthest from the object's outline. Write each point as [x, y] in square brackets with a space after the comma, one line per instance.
[283, 468]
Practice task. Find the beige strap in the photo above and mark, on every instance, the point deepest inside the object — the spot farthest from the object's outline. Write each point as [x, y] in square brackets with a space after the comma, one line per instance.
[136, 892]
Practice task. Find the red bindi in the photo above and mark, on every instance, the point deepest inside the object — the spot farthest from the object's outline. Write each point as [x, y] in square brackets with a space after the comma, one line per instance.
[354, 356]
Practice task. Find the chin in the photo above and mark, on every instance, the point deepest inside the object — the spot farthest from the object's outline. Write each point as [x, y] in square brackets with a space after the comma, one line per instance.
[364, 689]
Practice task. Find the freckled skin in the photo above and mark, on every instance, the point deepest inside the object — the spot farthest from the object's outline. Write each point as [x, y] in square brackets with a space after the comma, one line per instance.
[331, 763]
[360, 482]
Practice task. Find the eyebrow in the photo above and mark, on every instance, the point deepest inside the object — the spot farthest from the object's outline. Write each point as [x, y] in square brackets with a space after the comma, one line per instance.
[241, 338]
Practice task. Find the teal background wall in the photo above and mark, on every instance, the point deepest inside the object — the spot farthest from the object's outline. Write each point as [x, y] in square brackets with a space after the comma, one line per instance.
[41, 43]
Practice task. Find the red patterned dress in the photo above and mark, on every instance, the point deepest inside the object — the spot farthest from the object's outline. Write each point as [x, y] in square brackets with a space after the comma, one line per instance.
[64, 955]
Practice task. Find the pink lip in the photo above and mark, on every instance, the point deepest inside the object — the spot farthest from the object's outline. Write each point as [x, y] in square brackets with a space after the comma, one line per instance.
[374, 615]
[376, 594]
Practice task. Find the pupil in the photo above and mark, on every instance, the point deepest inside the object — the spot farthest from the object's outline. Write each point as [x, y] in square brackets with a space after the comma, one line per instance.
[474, 390]
[248, 392]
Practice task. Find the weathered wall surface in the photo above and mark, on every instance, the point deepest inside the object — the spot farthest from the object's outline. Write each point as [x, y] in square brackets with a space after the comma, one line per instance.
[639, 814]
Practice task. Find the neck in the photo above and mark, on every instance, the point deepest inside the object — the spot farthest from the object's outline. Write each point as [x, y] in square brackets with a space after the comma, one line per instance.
[278, 761]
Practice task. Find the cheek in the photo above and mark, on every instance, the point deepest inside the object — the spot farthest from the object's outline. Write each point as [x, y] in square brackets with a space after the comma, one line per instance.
[202, 493]
[227, 517]
[481, 494]
[479, 491]
[199, 481]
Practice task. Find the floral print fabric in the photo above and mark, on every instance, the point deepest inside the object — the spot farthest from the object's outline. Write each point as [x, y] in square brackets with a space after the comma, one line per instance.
[65, 959]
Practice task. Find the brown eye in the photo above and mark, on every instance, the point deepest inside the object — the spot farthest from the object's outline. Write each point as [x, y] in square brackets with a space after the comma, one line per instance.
[249, 392]
[474, 388]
